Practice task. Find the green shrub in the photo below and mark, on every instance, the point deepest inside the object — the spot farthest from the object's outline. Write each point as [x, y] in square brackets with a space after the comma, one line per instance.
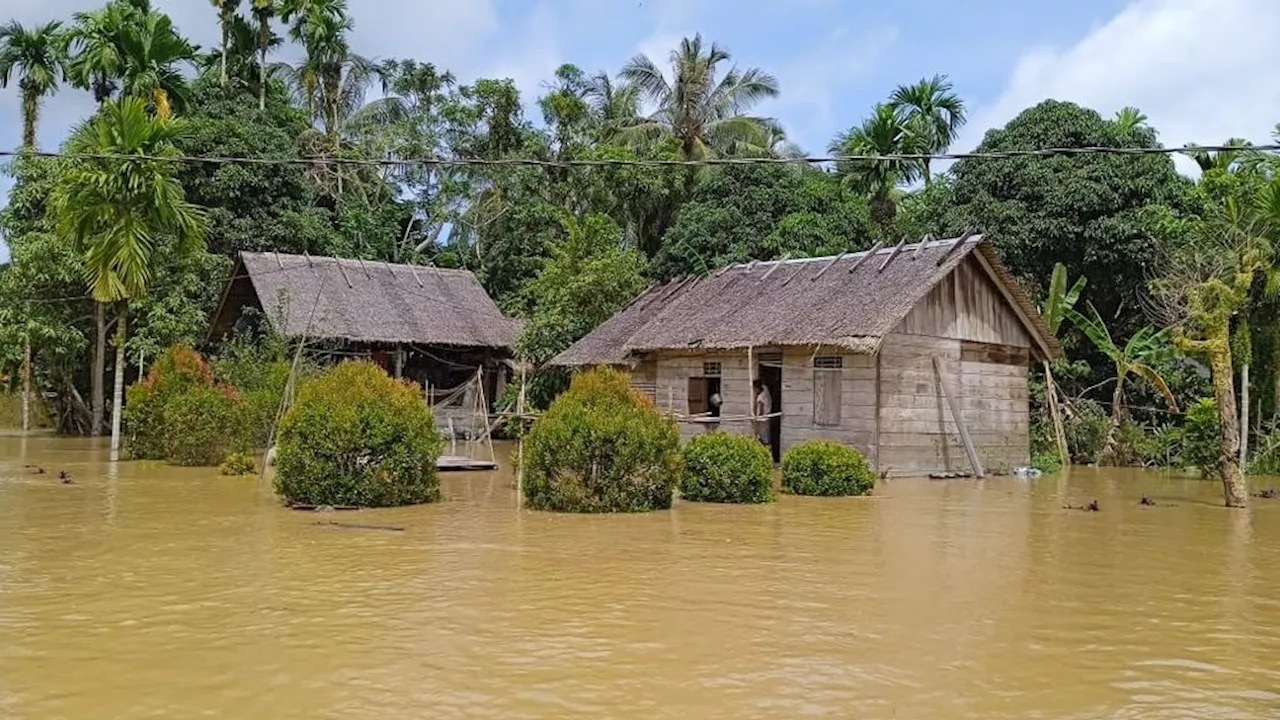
[1047, 461]
[821, 467]
[601, 447]
[238, 463]
[727, 468]
[1085, 424]
[358, 437]
[199, 426]
[1200, 434]
[175, 372]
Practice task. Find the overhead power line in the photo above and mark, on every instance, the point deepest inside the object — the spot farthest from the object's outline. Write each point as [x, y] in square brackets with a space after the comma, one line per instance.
[613, 162]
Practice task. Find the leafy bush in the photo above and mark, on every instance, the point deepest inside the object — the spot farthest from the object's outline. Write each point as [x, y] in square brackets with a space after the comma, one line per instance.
[358, 437]
[822, 467]
[177, 371]
[1266, 454]
[1200, 437]
[1046, 461]
[1085, 425]
[723, 467]
[601, 447]
[199, 424]
[238, 463]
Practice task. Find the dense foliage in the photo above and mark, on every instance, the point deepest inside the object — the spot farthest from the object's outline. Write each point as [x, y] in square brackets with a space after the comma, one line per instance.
[727, 468]
[357, 437]
[563, 246]
[601, 447]
[822, 467]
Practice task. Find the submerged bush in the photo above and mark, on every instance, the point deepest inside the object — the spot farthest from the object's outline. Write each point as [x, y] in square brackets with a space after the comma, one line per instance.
[199, 426]
[1200, 438]
[822, 467]
[238, 463]
[601, 447]
[179, 370]
[358, 437]
[727, 468]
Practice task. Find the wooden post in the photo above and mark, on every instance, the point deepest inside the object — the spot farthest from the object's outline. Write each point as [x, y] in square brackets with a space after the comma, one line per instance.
[484, 415]
[1244, 416]
[954, 404]
[751, 391]
[399, 361]
[520, 445]
[26, 384]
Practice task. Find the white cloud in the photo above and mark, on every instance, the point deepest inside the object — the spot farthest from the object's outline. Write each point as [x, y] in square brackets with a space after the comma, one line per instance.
[1202, 70]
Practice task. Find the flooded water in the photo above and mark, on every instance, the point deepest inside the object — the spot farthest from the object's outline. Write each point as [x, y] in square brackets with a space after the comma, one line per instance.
[148, 591]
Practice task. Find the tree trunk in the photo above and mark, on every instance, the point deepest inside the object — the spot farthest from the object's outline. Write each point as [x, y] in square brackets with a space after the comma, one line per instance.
[224, 55]
[30, 111]
[26, 384]
[1107, 456]
[97, 391]
[1234, 491]
[117, 395]
[262, 80]
[1055, 414]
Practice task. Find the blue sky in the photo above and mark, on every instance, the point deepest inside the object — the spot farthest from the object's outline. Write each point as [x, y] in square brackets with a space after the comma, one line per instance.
[1203, 70]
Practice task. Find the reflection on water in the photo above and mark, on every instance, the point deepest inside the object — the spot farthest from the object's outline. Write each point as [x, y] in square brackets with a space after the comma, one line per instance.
[149, 591]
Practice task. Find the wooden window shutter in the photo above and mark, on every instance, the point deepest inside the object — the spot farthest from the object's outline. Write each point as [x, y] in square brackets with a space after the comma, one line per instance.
[828, 377]
[697, 395]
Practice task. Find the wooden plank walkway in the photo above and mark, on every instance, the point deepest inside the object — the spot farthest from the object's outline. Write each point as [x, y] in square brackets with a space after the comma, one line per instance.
[458, 463]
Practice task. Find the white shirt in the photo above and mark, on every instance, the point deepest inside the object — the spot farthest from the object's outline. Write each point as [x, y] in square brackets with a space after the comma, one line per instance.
[764, 402]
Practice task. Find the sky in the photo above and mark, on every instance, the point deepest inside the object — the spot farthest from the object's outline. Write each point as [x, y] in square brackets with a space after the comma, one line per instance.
[1202, 70]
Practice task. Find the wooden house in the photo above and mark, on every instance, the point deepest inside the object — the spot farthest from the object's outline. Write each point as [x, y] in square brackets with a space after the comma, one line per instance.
[435, 326]
[873, 349]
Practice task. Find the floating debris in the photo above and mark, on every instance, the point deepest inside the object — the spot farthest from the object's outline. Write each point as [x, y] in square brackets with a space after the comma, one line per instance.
[1147, 500]
[1268, 494]
[320, 508]
[1092, 506]
[35, 469]
[357, 526]
[65, 477]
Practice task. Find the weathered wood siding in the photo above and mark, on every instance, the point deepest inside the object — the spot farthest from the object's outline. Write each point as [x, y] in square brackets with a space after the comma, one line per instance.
[966, 305]
[984, 350]
[857, 394]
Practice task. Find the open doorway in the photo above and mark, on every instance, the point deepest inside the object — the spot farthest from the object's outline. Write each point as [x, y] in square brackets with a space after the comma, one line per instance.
[770, 373]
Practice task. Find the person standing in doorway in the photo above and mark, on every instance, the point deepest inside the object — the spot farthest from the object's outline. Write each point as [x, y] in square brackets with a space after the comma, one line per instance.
[763, 407]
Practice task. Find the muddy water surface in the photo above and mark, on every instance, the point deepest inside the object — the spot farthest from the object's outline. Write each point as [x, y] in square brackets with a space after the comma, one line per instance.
[148, 591]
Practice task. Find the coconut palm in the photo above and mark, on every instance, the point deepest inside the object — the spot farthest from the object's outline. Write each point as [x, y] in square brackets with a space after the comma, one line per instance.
[1136, 357]
[331, 80]
[881, 133]
[704, 115]
[94, 49]
[1237, 150]
[614, 106]
[933, 112]
[1130, 119]
[37, 56]
[117, 213]
[263, 12]
[226, 21]
[151, 51]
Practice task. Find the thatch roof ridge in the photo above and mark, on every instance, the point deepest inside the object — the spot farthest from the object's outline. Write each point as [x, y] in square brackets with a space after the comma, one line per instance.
[849, 300]
[376, 301]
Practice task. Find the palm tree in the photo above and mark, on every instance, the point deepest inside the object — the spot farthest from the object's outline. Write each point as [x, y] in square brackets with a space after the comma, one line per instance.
[1130, 119]
[1136, 357]
[1060, 300]
[244, 71]
[1225, 160]
[93, 43]
[331, 80]
[116, 213]
[226, 20]
[151, 50]
[37, 56]
[934, 113]
[614, 106]
[705, 115]
[263, 12]
[880, 134]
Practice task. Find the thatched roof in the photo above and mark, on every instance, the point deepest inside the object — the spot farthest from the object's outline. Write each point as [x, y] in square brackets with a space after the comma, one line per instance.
[851, 301]
[362, 301]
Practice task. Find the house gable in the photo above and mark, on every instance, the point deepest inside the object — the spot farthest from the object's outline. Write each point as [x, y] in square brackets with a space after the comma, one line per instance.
[968, 305]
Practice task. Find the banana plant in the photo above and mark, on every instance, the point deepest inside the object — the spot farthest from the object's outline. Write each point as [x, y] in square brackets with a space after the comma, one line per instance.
[1137, 357]
[1060, 300]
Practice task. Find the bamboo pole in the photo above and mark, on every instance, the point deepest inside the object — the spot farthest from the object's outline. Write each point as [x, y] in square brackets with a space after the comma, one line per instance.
[520, 444]
[26, 384]
[484, 415]
[1055, 414]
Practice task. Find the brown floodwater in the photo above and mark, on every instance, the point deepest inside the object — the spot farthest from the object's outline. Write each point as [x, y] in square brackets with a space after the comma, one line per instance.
[144, 591]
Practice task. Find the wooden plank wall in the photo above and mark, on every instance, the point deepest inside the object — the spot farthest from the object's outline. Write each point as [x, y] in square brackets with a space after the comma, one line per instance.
[966, 306]
[857, 412]
[917, 431]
